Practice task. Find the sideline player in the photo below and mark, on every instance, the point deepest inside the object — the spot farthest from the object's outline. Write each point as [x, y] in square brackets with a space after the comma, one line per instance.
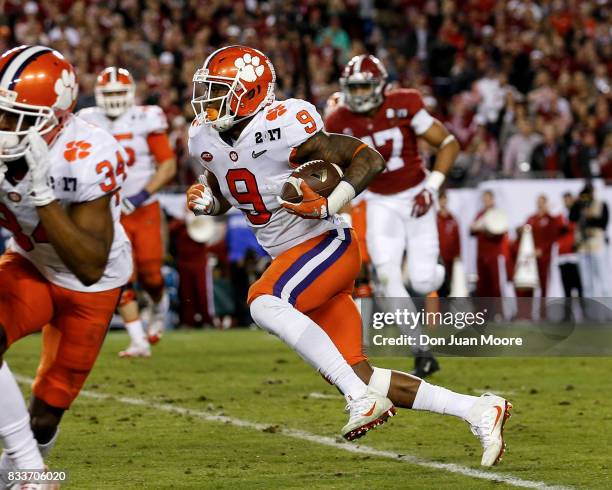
[401, 217]
[246, 141]
[142, 131]
[68, 256]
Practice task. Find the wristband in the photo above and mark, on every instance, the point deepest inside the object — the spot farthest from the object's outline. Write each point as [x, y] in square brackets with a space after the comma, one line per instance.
[341, 195]
[435, 180]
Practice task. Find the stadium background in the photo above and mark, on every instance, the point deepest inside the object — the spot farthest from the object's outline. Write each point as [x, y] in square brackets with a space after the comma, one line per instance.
[524, 85]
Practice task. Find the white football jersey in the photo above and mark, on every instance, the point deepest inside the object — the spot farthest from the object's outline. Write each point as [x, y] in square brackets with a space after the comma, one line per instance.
[252, 171]
[131, 130]
[86, 164]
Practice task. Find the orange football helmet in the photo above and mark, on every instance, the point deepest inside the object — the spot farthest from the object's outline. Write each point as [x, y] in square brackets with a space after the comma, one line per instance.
[235, 82]
[115, 91]
[38, 89]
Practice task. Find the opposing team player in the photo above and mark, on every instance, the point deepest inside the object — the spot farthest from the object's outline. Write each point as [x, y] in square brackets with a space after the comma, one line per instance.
[68, 256]
[246, 141]
[142, 131]
[400, 213]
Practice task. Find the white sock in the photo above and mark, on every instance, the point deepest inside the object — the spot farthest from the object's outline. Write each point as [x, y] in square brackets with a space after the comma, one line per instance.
[136, 332]
[163, 305]
[309, 340]
[15, 432]
[45, 449]
[6, 464]
[440, 400]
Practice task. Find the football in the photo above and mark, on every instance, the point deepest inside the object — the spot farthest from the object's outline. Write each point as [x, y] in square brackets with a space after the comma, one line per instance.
[321, 176]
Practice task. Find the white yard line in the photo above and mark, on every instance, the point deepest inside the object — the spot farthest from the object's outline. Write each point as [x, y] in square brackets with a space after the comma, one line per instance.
[325, 441]
[323, 396]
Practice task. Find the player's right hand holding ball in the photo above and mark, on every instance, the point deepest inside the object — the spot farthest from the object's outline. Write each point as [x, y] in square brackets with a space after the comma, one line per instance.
[200, 199]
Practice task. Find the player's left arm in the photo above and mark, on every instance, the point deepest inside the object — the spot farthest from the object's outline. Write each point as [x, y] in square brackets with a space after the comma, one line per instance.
[447, 149]
[360, 162]
[160, 148]
[81, 235]
[162, 151]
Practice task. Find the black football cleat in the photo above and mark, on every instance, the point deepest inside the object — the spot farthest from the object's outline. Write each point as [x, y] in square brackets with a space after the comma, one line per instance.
[425, 366]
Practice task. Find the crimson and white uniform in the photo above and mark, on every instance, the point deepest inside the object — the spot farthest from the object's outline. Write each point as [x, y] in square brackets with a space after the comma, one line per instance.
[391, 230]
[131, 129]
[252, 171]
[86, 164]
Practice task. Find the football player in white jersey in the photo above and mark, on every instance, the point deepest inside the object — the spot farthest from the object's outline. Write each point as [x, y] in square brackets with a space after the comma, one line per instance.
[247, 143]
[142, 131]
[69, 255]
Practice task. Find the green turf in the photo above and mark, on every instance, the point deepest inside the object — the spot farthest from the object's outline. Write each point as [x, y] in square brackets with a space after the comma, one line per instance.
[560, 432]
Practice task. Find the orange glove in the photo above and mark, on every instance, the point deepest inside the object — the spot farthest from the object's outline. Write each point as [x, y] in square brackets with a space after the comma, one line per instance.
[313, 205]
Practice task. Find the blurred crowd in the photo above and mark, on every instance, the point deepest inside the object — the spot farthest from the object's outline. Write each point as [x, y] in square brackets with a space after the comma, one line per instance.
[524, 85]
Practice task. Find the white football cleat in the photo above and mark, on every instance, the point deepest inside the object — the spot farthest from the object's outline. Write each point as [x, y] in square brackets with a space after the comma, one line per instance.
[487, 419]
[135, 350]
[157, 323]
[365, 413]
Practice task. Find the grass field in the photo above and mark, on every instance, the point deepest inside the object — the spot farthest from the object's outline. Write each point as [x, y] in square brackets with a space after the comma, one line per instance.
[237, 409]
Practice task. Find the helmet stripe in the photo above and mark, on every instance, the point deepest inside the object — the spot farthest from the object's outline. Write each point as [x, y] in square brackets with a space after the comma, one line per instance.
[358, 64]
[16, 66]
[11, 55]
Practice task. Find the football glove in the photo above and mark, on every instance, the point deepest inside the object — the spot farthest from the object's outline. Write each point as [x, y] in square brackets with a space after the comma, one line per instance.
[422, 202]
[37, 157]
[200, 199]
[313, 205]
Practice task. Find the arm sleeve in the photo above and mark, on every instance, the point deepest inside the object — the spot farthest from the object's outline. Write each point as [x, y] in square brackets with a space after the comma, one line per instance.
[421, 119]
[159, 146]
[421, 122]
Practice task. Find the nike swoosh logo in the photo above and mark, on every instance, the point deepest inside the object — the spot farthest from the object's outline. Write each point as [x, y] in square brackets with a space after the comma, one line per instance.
[371, 411]
[499, 412]
[258, 154]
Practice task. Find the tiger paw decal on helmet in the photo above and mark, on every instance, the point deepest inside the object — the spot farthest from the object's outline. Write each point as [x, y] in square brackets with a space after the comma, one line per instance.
[66, 89]
[246, 78]
[250, 67]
